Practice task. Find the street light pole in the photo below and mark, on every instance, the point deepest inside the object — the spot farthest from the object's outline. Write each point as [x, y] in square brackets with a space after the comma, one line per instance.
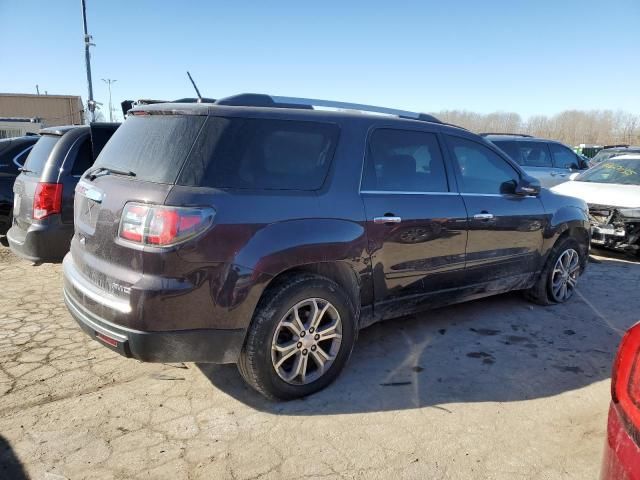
[87, 57]
[109, 81]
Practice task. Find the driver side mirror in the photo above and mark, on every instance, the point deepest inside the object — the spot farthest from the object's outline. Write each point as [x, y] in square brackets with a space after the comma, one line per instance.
[528, 186]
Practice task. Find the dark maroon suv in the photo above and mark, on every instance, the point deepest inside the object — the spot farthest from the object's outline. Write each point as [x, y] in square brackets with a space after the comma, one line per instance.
[265, 232]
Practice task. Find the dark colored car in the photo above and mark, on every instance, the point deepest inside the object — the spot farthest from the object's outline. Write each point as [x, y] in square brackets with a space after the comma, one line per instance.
[43, 193]
[549, 161]
[622, 447]
[13, 153]
[607, 153]
[263, 232]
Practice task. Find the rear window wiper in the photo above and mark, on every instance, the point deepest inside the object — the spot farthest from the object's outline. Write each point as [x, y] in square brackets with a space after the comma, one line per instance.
[108, 170]
[25, 170]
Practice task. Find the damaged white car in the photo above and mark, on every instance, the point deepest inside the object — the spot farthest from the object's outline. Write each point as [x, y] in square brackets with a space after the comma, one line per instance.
[612, 191]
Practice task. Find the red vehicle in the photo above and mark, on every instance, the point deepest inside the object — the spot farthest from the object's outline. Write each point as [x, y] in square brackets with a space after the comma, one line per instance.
[622, 449]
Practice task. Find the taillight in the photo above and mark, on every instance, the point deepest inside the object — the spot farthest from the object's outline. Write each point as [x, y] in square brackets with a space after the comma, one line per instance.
[625, 380]
[162, 226]
[47, 200]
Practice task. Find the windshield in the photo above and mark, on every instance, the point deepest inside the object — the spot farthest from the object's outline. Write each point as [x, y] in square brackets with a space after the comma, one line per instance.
[624, 172]
[154, 147]
[37, 159]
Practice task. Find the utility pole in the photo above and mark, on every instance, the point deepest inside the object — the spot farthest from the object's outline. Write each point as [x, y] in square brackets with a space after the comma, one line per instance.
[38, 89]
[87, 57]
[109, 81]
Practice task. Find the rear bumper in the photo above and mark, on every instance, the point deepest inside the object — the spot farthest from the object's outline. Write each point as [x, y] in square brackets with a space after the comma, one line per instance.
[621, 454]
[191, 345]
[47, 242]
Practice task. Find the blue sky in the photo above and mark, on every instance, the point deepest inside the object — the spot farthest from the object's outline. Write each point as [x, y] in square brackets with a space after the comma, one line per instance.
[532, 57]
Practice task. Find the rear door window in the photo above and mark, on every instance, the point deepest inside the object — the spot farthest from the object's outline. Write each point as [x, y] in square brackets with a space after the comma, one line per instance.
[154, 147]
[40, 152]
[527, 154]
[404, 161]
[262, 154]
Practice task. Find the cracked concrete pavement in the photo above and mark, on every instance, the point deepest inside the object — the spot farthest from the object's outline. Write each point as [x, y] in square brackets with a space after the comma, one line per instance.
[496, 388]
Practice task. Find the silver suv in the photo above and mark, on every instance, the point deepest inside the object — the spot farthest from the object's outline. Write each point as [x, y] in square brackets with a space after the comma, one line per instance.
[549, 161]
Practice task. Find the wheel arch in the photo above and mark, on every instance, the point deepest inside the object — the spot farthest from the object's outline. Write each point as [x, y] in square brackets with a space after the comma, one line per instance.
[568, 222]
[338, 271]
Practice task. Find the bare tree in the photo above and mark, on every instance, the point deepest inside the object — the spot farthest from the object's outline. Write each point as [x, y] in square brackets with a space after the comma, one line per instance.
[573, 127]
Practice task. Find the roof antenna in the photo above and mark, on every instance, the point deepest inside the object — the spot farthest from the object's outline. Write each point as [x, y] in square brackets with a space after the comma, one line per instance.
[194, 86]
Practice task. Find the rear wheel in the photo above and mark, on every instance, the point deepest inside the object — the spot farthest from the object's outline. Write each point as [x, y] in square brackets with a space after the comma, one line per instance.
[300, 338]
[558, 279]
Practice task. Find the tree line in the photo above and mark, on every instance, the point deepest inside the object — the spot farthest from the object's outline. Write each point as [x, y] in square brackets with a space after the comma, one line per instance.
[572, 127]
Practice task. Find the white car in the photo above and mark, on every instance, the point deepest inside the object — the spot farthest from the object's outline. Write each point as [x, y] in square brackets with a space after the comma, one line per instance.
[612, 191]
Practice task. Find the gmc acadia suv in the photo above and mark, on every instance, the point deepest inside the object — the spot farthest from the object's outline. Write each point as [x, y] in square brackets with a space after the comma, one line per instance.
[264, 232]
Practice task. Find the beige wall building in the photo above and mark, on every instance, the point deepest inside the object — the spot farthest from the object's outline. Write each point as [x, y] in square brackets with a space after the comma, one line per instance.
[50, 110]
[17, 127]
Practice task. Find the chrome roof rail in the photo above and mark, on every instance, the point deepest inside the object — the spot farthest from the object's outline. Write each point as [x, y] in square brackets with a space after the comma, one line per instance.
[261, 100]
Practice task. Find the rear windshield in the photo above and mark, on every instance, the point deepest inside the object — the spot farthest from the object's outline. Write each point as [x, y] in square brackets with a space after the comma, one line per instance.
[154, 147]
[37, 159]
[262, 154]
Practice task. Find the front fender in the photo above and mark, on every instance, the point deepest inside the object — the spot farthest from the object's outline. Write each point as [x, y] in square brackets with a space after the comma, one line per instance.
[570, 217]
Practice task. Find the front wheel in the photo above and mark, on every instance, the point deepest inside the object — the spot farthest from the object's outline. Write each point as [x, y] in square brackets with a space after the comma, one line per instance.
[559, 277]
[300, 338]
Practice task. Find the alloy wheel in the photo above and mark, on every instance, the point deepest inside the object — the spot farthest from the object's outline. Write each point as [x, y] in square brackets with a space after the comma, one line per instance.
[306, 341]
[565, 275]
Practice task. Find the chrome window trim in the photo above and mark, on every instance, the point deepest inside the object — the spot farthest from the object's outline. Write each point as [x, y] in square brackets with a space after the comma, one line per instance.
[509, 195]
[401, 192]
[15, 159]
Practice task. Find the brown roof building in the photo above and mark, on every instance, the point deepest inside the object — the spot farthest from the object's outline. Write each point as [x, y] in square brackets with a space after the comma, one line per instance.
[50, 110]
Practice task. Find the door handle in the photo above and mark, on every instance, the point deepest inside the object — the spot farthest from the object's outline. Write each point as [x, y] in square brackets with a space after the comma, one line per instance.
[483, 216]
[389, 219]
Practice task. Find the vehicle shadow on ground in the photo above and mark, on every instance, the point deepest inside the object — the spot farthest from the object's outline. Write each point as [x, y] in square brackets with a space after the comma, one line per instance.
[10, 465]
[496, 349]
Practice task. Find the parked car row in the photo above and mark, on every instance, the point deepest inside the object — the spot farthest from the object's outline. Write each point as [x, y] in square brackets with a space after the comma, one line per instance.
[260, 231]
[43, 193]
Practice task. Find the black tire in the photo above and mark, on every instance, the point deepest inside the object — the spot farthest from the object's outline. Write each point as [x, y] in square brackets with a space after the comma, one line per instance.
[255, 363]
[541, 293]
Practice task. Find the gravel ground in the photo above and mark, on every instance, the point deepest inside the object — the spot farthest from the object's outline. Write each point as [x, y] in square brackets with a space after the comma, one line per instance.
[496, 388]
